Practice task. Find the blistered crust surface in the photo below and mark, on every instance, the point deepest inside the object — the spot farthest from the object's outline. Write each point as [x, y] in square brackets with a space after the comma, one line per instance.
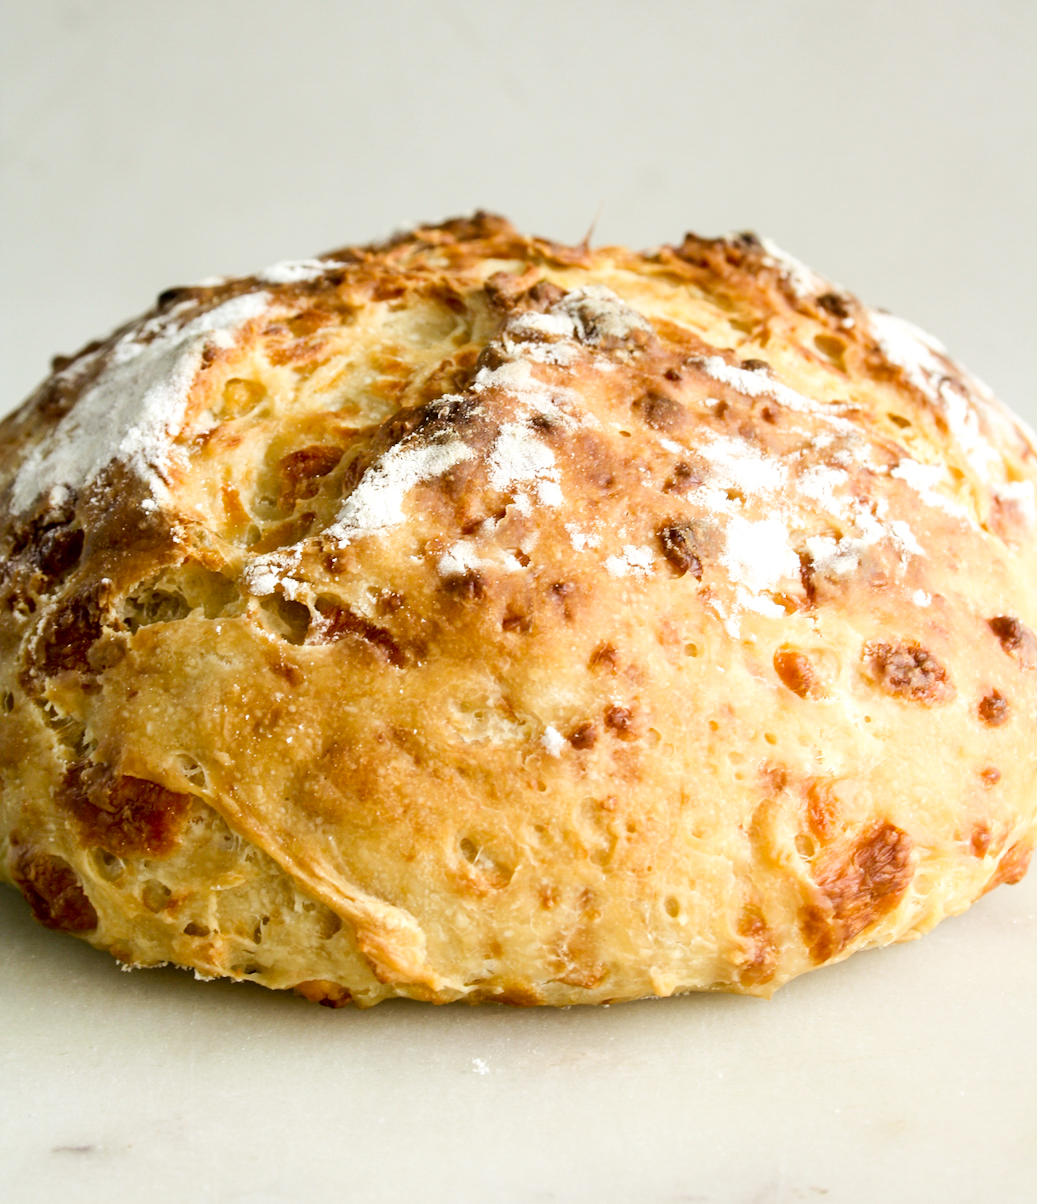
[473, 617]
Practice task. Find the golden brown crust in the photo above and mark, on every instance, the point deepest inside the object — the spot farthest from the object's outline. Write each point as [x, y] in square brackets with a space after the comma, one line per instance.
[473, 617]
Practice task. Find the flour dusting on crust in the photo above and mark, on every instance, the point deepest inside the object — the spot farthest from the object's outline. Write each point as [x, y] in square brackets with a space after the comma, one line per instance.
[135, 409]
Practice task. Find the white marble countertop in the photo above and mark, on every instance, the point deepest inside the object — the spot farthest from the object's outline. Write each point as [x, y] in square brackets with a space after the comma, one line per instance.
[907, 1074]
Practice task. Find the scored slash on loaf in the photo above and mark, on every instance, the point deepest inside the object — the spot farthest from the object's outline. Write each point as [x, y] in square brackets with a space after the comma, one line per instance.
[475, 617]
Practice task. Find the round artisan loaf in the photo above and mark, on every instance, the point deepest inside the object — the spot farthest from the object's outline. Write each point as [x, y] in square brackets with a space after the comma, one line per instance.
[475, 617]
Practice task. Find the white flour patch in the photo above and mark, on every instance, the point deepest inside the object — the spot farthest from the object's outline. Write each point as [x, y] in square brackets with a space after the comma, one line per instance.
[462, 557]
[581, 540]
[517, 457]
[757, 555]
[916, 354]
[598, 315]
[136, 407]
[803, 281]
[553, 741]
[266, 573]
[924, 480]
[377, 501]
[757, 384]
[294, 271]
[820, 483]
[635, 561]
[903, 538]
[736, 464]
[834, 558]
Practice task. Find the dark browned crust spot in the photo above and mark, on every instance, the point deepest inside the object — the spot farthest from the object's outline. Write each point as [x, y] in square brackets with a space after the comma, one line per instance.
[683, 478]
[127, 816]
[507, 292]
[621, 722]
[858, 885]
[340, 622]
[50, 544]
[584, 735]
[761, 949]
[1016, 639]
[993, 708]
[605, 656]
[990, 776]
[677, 541]
[660, 412]
[834, 304]
[300, 472]
[1012, 866]
[72, 630]
[907, 670]
[797, 673]
[821, 809]
[563, 593]
[469, 586]
[516, 622]
[979, 841]
[53, 891]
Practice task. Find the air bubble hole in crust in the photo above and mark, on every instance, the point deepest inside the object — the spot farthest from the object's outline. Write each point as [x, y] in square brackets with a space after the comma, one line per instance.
[194, 773]
[832, 349]
[109, 866]
[151, 605]
[495, 872]
[329, 924]
[155, 895]
[7, 703]
[290, 620]
[806, 846]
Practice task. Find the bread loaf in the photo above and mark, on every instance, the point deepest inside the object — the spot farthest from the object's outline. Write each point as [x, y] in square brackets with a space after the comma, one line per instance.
[475, 617]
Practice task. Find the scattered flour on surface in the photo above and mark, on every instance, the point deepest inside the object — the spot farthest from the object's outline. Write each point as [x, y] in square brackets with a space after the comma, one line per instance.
[635, 561]
[803, 281]
[553, 741]
[757, 555]
[377, 501]
[916, 354]
[136, 407]
[581, 540]
[295, 271]
[518, 456]
[924, 480]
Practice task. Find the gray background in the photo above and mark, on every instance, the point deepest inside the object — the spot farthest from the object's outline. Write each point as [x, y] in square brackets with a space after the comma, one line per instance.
[888, 143]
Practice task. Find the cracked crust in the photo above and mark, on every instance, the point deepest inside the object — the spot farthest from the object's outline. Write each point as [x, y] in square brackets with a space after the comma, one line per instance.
[474, 617]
